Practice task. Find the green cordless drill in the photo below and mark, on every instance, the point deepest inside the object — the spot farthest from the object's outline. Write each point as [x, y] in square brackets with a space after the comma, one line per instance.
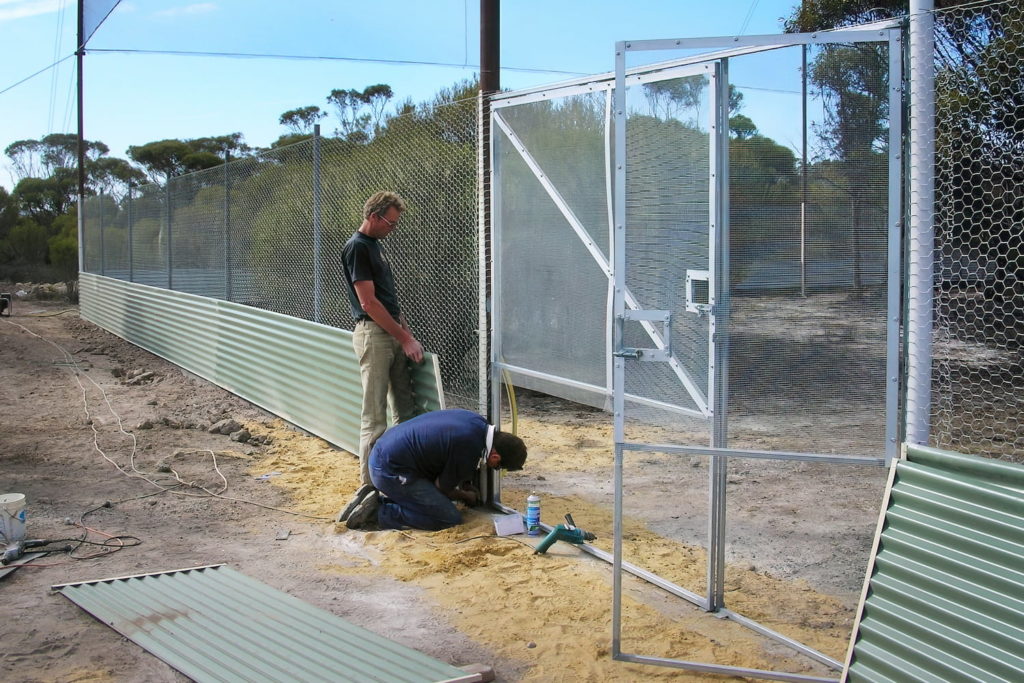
[564, 532]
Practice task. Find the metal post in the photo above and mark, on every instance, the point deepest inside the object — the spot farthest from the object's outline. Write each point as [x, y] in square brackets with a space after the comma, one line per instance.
[921, 235]
[170, 262]
[317, 238]
[79, 58]
[489, 308]
[894, 281]
[490, 83]
[131, 240]
[103, 244]
[609, 189]
[227, 225]
[803, 181]
[718, 332]
[489, 388]
[618, 258]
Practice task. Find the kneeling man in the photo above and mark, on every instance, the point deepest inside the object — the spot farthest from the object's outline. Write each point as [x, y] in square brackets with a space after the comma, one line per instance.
[419, 467]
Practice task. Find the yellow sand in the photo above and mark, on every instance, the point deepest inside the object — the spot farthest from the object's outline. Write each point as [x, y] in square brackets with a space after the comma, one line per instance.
[554, 611]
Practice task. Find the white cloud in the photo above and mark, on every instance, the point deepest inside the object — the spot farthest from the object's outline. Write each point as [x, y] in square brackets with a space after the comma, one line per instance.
[196, 8]
[19, 9]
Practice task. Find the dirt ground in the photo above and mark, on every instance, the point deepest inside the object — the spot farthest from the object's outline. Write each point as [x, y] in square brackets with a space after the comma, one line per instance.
[101, 449]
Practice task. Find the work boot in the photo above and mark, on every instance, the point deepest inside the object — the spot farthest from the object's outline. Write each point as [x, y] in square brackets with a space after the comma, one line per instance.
[356, 500]
[365, 512]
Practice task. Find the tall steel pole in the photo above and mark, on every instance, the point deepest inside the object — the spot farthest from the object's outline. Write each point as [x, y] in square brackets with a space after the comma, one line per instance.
[490, 46]
[921, 233]
[79, 54]
[490, 83]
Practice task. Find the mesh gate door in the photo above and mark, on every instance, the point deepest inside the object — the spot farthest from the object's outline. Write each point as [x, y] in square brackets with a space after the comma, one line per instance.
[652, 257]
[778, 296]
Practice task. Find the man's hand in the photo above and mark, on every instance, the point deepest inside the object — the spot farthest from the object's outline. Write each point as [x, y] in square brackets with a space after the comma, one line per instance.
[470, 494]
[413, 349]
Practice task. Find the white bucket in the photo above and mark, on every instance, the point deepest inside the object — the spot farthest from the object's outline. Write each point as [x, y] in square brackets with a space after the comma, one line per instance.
[12, 517]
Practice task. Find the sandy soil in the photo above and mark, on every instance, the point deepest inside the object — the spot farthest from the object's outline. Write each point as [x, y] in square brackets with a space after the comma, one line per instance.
[89, 446]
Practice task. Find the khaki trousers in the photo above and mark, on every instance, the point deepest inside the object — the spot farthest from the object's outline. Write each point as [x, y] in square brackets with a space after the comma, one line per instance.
[384, 371]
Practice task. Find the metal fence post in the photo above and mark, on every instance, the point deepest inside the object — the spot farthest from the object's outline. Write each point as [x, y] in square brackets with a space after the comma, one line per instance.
[170, 263]
[131, 240]
[921, 235]
[227, 225]
[317, 237]
[103, 245]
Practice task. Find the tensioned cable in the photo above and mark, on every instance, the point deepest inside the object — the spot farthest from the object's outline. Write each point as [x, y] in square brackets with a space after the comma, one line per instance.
[746, 19]
[247, 55]
[254, 55]
[43, 70]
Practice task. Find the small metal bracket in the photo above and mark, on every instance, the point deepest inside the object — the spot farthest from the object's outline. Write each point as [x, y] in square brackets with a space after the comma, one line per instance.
[662, 354]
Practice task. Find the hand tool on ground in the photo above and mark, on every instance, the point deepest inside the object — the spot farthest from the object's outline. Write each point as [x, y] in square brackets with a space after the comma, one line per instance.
[16, 550]
[564, 532]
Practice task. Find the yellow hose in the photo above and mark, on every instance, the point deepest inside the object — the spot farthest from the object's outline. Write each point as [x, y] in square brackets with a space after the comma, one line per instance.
[511, 393]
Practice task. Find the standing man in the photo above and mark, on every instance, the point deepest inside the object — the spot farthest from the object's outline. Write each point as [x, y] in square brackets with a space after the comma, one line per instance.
[419, 467]
[382, 340]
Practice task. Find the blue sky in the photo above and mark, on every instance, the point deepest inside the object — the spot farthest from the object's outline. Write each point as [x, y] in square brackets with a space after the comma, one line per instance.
[137, 98]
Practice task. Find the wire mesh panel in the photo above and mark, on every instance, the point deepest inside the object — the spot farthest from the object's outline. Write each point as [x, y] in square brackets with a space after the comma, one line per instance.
[92, 237]
[809, 236]
[270, 231]
[552, 293]
[149, 236]
[977, 356]
[669, 139]
[267, 230]
[197, 229]
[116, 246]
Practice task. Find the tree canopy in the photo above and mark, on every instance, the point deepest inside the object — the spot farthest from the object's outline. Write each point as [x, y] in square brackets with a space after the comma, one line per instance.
[165, 159]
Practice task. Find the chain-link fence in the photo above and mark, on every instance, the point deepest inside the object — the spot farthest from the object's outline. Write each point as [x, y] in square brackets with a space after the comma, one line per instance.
[268, 231]
[978, 343]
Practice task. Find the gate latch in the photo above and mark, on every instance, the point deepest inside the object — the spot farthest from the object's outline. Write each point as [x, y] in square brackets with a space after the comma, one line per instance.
[698, 291]
[664, 352]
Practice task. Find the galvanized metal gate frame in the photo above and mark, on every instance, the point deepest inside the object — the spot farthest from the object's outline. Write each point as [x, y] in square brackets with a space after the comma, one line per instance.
[719, 452]
[648, 323]
[601, 83]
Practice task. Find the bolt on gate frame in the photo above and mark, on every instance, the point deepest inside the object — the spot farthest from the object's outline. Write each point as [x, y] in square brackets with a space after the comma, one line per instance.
[684, 343]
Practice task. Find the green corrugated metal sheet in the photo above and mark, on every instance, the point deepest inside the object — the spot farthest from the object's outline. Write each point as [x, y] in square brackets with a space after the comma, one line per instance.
[216, 624]
[945, 595]
[303, 371]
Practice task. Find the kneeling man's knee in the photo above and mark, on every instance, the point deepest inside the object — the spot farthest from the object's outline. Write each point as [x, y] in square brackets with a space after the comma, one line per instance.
[449, 518]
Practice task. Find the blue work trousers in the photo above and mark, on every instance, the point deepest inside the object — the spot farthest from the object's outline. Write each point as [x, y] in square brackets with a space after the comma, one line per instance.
[411, 501]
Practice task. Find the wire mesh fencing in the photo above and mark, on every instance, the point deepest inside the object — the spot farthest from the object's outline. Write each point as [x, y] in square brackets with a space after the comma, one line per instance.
[268, 231]
[805, 331]
[978, 294]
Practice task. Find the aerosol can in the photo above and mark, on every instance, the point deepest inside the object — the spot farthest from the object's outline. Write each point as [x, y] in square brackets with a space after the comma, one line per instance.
[533, 515]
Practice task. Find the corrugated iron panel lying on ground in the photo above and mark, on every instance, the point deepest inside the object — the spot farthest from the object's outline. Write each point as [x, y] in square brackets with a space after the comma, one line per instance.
[945, 595]
[303, 371]
[216, 624]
